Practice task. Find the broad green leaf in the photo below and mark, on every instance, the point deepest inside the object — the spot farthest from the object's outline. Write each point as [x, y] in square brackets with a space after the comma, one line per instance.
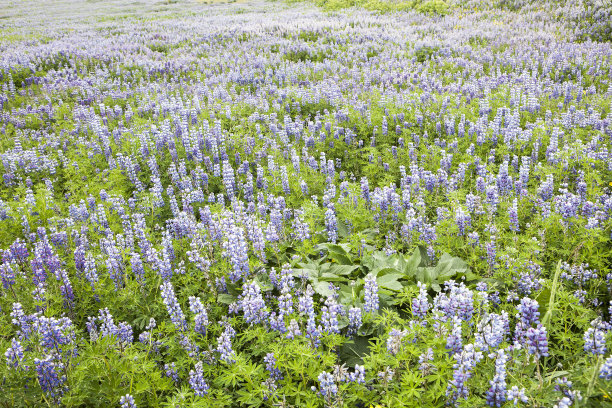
[352, 351]
[338, 269]
[412, 263]
[341, 259]
[425, 259]
[322, 288]
[470, 276]
[384, 271]
[390, 282]
[331, 277]
[309, 265]
[449, 266]
[342, 269]
[426, 274]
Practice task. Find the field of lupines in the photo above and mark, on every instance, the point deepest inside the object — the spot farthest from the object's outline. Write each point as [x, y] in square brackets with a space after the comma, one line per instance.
[262, 204]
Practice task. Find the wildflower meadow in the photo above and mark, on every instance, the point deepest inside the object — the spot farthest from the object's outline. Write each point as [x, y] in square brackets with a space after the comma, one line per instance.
[326, 203]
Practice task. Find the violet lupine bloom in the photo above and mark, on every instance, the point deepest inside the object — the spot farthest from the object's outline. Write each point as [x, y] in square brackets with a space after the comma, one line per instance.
[394, 341]
[271, 367]
[91, 271]
[564, 386]
[528, 315]
[371, 301]
[496, 395]
[492, 330]
[304, 187]
[224, 348]
[537, 341]
[365, 189]
[238, 255]
[473, 238]
[306, 302]
[197, 381]
[285, 301]
[293, 330]
[137, 267]
[277, 322]
[201, 316]
[286, 279]
[228, 179]
[529, 282]
[355, 320]
[578, 274]
[329, 315]
[54, 333]
[61, 275]
[327, 386]
[472, 202]
[285, 180]
[127, 401]
[605, 371]
[358, 376]
[420, 305]
[454, 341]
[595, 341]
[108, 328]
[115, 272]
[492, 198]
[528, 311]
[171, 372]
[331, 225]
[7, 274]
[50, 376]
[313, 332]
[253, 305]
[14, 354]
[463, 367]
[513, 216]
[19, 251]
[174, 308]
[306, 307]
[564, 402]
[515, 395]
[424, 360]
[567, 204]
[146, 336]
[458, 301]
[301, 229]
[463, 220]
[259, 242]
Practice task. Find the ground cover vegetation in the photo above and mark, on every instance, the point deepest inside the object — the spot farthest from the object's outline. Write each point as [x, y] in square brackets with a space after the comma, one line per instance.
[306, 204]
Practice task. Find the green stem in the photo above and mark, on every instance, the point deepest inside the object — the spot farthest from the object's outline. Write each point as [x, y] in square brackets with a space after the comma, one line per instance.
[593, 378]
[553, 292]
[540, 381]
